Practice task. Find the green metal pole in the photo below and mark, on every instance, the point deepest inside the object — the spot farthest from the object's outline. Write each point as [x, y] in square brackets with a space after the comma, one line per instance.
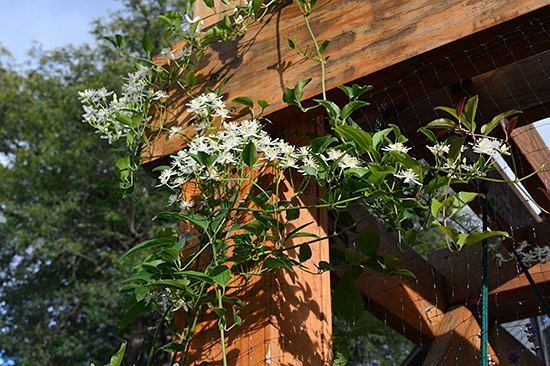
[483, 361]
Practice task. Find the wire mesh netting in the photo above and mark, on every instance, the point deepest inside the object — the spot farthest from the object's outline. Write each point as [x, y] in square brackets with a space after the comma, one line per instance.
[434, 319]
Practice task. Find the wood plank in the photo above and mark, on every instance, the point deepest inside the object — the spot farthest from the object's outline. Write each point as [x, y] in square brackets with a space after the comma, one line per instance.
[359, 31]
[503, 342]
[535, 151]
[510, 294]
[287, 318]
[458, 342]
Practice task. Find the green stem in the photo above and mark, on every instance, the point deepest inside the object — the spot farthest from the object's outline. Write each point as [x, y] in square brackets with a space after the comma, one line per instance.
[321, 60]
[152, 352]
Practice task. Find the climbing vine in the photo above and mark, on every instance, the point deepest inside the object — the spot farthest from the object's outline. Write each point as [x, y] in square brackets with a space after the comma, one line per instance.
[228, 219]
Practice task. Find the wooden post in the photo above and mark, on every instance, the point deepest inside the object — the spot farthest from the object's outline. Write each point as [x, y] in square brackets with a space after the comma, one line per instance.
[287, 320]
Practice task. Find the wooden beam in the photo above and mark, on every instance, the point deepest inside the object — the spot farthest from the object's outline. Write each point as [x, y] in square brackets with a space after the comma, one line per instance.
[372, 31]
[458, 341]
[510, 294]
[535, 151]
[503, 342]
[411, 306]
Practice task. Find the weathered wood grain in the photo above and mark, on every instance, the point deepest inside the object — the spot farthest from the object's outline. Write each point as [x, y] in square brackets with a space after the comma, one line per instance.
[411, 306]
[367, 36]
[287, 320]
[458, 342]
[510, 294]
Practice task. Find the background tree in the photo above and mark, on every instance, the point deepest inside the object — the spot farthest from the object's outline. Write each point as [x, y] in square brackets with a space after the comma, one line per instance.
[59, 238]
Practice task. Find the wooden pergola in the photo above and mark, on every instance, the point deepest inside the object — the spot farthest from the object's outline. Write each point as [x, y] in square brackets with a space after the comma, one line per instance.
[418, 54]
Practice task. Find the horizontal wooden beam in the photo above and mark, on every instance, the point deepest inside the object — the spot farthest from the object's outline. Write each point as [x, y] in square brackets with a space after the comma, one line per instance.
[511, 296]
[458, 341]
[503, 342]
[384, 32]
[411, 306]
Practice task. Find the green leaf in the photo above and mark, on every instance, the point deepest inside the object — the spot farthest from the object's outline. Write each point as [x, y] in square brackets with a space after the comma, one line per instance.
[321, 143]
[390, 262]
[291, 43]
[254, 227]
[476, 237]
[210, 4]
[190, 79]
[346, 89]
[305, 252]
[152, 243]
[323, 46]
[182, 283]
[147, 44]
[272, 262]
[469, 114]
[246, 101]
[220, 311]
[331, 107]
[299, 89]
[256, 6]
[237, 319]
[200, 276]
[120, 42]
[456, 143]
[379, 137]
[407, 161]
[367, 241]
[250, 155]
[435, 207]
[141, 292]
[404, 272]
[289, 98]
[467, 197]
[348, 303]
[122, 167]
[135, 311]
[361, 139]
[173, 347]
[352, 107]
[378, 173]
[292, 214]
[451, 111]
[197, 220]
[429, 134]
[341, 353]
[221, 275]
[353, 257]
[109, 183]
[451, 233]
[442, 123]
[116, 359]
[160, 168]
[487, 128]
[263, 103]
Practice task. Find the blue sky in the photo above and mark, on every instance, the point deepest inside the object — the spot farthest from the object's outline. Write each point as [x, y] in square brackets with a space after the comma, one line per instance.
[53, 23]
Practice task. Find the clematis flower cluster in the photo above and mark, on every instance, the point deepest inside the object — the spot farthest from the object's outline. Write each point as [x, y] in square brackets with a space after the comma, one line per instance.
[491, 147]
[225, 148]
[205, 108]
[530, 255]
[101, 107]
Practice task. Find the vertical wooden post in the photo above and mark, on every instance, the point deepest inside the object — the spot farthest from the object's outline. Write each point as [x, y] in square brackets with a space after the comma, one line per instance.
[287, 320]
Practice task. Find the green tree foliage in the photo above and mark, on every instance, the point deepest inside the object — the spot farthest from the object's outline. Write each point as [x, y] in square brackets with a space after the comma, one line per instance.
[60, 240]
